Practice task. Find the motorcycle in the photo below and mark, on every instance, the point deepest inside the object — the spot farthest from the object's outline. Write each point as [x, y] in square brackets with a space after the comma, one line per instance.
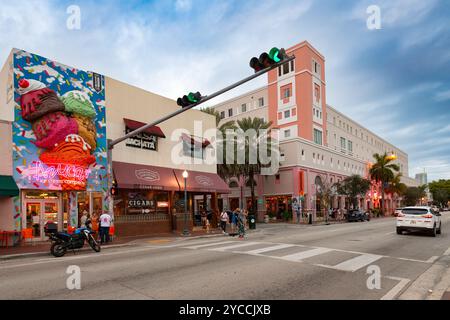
[62, 241]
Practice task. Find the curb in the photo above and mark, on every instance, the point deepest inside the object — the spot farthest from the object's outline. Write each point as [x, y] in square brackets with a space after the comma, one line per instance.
[47, 253]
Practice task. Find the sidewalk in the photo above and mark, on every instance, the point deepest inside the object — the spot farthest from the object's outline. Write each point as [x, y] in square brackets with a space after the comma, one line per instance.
[43, 247]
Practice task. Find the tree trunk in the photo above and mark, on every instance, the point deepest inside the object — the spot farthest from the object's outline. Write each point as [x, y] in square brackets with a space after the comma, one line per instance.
[252, 188]
[382, 198]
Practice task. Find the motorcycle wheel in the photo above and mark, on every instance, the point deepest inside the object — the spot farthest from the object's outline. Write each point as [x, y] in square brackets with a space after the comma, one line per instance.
[94, 245]
[58, 250]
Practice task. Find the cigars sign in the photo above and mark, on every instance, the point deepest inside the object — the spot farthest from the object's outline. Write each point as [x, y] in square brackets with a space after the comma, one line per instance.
[59, 130]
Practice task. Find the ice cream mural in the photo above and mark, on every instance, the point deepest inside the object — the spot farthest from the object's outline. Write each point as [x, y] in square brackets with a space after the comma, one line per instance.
[59, 132]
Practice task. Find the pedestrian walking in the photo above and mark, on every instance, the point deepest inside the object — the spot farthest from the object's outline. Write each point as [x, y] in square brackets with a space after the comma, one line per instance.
[245, 211]
[241, 223]
[234, 217]
[223, 221]
[105, 224]
[296, 206]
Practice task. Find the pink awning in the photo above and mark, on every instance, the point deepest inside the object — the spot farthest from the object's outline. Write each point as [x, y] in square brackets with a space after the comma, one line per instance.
[137, 176]
[202, 182]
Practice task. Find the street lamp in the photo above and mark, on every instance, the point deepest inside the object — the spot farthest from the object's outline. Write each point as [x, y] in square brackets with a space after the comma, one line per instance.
[185, 231]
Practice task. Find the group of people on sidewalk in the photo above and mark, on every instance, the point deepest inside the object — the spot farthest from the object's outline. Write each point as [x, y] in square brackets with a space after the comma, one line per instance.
[237, 220]
[100, 224]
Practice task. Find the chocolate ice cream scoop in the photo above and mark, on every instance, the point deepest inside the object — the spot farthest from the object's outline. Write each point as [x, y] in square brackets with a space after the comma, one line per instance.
[37, 100]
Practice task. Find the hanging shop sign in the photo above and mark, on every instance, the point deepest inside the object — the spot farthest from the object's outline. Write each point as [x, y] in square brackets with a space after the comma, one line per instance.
[142, 141]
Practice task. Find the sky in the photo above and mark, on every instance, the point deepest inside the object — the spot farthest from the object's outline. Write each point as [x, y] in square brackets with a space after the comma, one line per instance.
[395, 81]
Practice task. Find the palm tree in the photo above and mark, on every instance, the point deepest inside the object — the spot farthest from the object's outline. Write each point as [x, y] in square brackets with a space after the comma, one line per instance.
[247, 169]
[396, 187]
[224, 169]
[383, 171]
[353, 187]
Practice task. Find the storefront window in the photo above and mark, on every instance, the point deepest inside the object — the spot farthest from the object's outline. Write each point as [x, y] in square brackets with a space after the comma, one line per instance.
[83, 204]
[97, 203]
[277, 206]
[133, 202]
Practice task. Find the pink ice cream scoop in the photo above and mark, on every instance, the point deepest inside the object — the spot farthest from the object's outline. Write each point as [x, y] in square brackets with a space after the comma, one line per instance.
[53, 128]
[37, 100]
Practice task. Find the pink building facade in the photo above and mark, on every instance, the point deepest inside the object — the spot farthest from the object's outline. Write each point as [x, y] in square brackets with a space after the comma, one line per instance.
[318, 144]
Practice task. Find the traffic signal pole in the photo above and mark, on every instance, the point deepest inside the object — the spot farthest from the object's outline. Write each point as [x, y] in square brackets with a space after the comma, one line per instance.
[112, 143]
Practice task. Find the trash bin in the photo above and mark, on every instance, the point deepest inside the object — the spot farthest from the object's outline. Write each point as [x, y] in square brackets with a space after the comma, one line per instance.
[310, 216]
[252, 222]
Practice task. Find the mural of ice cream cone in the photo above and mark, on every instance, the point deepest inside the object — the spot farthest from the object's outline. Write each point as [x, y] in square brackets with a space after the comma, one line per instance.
[71, 160]
[37, 100]
[53, 128]
[86, 129]
[79, 103]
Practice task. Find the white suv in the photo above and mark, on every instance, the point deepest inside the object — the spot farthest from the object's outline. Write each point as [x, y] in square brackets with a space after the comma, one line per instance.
[419, 218]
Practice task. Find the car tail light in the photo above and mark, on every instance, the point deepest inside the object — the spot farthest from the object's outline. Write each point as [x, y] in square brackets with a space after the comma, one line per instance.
[428, 216]
[400, 215]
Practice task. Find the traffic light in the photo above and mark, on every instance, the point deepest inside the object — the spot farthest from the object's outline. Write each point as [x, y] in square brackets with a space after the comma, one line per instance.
[114, 188]
[266, 60]
[191, 98]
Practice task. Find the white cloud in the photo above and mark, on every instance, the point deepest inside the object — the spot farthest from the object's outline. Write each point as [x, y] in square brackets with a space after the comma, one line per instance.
[442, 96]
[183, 5]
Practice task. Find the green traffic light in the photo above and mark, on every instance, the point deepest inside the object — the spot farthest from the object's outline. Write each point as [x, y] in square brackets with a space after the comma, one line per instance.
[192, 98]
[274, 54]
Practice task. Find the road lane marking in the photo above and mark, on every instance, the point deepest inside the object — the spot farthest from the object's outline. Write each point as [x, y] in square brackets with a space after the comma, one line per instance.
[305, 254]
[357, 262]
[208, 244]
[432, 259]
[267, 249]
[447, 252]
[234, 246]
[396, 289]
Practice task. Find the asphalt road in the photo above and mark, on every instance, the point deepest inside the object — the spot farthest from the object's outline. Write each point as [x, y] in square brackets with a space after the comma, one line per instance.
[274, 262]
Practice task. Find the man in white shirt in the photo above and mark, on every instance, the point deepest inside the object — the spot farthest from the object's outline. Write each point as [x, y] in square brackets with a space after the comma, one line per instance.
[105, 224]
[223, 220]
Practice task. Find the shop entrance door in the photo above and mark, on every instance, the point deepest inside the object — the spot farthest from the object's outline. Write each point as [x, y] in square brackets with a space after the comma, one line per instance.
[39, 212]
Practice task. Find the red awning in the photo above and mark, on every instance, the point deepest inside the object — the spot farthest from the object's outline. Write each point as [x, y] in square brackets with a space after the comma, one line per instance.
[202, 182]
[136, 176]
[195, 141]
[154, 131]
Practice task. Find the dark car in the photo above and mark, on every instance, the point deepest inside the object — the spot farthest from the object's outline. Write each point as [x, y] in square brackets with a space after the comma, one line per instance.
[357, 215]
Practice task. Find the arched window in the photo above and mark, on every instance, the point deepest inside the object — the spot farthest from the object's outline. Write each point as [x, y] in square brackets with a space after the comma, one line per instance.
[233, 184]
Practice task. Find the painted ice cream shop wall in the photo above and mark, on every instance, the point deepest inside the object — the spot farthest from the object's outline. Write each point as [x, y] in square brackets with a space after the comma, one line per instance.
[58, 143]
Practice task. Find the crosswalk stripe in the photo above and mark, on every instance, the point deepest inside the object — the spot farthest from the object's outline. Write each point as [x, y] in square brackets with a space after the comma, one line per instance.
[357, 262]
[208, 244]
[267, 249]
[234, 246]
[305, 254]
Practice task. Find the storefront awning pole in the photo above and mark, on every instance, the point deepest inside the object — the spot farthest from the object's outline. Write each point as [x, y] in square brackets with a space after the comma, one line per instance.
[111, 144]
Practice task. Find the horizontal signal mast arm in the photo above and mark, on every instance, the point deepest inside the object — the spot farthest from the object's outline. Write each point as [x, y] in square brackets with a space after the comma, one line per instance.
[111, 144]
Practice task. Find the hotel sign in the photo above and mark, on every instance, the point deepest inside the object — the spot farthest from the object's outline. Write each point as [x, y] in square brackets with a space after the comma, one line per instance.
[142, 141]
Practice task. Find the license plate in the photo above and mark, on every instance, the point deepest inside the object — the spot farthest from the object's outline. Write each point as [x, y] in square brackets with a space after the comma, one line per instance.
[413, 222]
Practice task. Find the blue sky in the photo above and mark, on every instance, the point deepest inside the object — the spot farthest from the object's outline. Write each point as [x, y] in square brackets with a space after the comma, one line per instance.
[395, 81]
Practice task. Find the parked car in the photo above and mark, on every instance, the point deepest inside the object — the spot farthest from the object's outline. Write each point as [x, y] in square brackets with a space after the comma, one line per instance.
[397, 211]
[419, 219]
[357, 215]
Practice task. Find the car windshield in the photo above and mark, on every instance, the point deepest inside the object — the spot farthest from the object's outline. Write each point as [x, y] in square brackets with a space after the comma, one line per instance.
[415, 211]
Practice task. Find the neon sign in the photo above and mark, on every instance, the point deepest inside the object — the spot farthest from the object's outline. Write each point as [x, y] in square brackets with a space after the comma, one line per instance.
[59, 173]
